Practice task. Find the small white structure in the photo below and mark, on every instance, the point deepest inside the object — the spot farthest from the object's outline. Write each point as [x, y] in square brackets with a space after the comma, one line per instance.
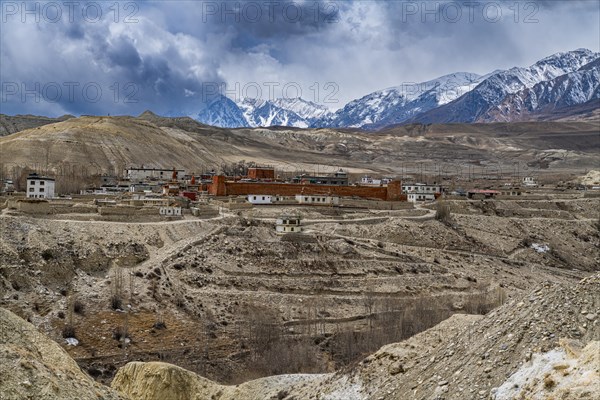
[421, 188]
[170, 211]
[414, 197]
[288, 224]
[367, 180]
[8, 186]
[263, 199]
[317, 199]
[40, 187]
[142, 187]
[529, 181]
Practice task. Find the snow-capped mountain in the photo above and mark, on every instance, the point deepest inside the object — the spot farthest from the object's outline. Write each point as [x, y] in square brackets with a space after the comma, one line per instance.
[397, 104]
[567, 90]
[558, 81]
[252, 112]
[305, 109]
[490, 92]
[295, 112]
[222, 112]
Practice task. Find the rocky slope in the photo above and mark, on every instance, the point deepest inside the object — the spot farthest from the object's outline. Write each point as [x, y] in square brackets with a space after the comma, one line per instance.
[34, 367]
[476, 361]
[544, 345]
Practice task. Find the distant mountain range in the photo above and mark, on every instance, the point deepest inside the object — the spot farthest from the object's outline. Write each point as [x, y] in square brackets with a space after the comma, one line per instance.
[554, 85]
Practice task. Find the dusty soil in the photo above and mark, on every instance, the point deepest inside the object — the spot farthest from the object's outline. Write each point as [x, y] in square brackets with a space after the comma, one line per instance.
[232, 301]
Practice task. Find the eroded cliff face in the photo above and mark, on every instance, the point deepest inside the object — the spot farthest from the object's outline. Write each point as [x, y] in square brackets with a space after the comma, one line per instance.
[34, 367]
[515, 352]
[157, 380]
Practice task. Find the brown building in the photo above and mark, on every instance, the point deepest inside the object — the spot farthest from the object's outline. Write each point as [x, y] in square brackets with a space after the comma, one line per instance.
[261, 173]
[221, 187]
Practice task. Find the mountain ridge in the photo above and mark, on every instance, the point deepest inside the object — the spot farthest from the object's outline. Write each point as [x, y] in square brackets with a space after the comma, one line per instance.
[459, 97]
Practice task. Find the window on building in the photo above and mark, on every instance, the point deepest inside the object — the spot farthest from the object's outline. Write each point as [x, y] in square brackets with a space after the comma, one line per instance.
[263, 197]
[42, 183]
[31, 189]
[32, 182]
[254, 198]
[41, 189]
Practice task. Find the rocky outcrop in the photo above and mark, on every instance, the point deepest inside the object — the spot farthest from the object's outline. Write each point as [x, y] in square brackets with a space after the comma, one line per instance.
[569, 372]
[162, 381]
[157, 380]
[34, 367]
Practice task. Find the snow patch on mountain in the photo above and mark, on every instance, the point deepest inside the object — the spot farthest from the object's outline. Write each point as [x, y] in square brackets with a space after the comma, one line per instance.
[397, 104]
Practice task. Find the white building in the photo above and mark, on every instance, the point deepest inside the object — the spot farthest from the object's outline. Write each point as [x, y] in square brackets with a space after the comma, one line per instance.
[529, 181]
[8, 186]
[263, 199]
[170, 211]
[421, 188]
[317, 199]
[142, 174]
[414, 197]
[288, 224]
[143, 187]
[40, 187]
[367, 180]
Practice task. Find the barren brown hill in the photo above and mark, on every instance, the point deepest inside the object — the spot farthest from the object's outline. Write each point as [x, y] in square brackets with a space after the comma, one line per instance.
[15, 123]
[109, 143]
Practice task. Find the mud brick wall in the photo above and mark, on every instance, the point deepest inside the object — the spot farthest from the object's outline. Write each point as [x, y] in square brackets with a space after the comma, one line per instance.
[220, 187]
[261, 173]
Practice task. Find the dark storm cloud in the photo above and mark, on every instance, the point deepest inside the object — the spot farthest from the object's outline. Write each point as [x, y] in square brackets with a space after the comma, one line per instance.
[123, 53]
[75, 31]
[164, 55]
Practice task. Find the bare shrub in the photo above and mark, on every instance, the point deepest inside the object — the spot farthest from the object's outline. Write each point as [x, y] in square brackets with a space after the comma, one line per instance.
[68, 331]
[120, 332]
[442, 212]
[160, 322]
[116, 302]
[78, 307]
[116, 299]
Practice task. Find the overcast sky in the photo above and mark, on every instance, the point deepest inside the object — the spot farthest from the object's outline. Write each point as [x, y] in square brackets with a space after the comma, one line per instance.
[170, 56]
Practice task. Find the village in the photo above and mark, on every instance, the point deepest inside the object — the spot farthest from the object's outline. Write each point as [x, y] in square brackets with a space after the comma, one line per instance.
[149, 193]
